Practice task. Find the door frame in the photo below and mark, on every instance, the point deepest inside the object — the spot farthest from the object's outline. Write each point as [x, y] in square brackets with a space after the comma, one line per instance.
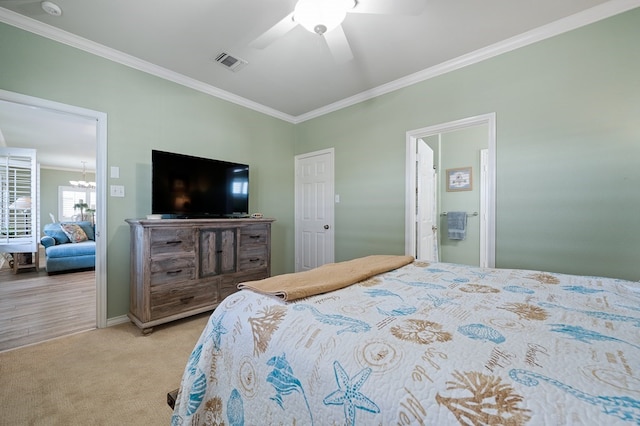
[101, 179]
[298, 207]
[411, 213]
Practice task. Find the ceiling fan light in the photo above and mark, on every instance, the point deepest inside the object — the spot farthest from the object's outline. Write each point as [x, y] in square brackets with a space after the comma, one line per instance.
[321, 16]
[51, 8]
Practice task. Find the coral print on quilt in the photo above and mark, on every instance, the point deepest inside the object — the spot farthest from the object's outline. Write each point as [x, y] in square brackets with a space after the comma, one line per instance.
[424, 344]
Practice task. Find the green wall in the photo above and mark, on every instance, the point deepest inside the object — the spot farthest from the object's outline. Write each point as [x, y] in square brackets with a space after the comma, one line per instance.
[50, 180]
[568, 150]
[144, 113]
[568, 143]
[461, 148]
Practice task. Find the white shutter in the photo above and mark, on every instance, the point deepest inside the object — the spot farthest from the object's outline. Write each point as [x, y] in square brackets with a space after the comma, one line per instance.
[18, 193]
[69, 196]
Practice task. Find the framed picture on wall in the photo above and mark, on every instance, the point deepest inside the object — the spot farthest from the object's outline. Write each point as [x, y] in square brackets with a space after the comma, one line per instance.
[459, 179]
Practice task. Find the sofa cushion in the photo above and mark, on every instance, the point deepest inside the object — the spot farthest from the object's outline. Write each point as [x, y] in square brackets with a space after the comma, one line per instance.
[71, 250]
[74, 232]
[62, 264]
[54, 231]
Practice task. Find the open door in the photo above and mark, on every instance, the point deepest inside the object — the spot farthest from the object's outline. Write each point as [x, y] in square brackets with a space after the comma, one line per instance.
[18, 201]
[427, 248]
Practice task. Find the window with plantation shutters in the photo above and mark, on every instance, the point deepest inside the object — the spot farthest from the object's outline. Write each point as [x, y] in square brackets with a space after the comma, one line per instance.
[69, 196]
[18, 206]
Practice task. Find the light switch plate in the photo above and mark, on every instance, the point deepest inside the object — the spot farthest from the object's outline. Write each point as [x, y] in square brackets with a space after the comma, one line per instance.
[117, 190]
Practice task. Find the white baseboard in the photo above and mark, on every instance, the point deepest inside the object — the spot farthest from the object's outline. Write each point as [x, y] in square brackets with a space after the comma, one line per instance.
[117, 320]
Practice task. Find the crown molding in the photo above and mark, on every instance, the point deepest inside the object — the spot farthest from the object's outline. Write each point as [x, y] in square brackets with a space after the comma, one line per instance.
[64, 37]
[589, 16]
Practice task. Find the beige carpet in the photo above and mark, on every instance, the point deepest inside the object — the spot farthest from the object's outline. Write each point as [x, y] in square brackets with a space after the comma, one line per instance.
[111, 376]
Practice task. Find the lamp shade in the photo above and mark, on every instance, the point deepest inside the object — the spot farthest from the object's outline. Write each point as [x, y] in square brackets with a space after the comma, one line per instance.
[320, 16]
[22, 203]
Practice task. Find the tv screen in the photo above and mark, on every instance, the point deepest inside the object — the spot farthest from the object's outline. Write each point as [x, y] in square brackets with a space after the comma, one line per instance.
[185, 186]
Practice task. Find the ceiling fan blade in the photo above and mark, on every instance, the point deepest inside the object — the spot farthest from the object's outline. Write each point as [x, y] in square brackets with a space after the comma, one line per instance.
[272, 34]
[386, 7]
[339, 45]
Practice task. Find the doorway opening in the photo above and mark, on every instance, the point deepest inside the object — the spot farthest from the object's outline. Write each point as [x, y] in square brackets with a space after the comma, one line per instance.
[422, 211]
[100, 119]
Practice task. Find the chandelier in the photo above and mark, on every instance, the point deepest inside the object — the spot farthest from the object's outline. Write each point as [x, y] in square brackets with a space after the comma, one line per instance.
[83, 183]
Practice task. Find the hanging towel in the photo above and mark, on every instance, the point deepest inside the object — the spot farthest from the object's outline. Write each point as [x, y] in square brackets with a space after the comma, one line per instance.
[457, 225]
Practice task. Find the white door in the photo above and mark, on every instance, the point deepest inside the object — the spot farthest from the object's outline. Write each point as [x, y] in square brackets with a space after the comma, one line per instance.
[314, 214]
[484, 208]
[426, 226]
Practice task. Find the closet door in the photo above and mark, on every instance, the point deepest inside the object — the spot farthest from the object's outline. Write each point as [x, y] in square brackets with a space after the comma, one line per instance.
[18, 200]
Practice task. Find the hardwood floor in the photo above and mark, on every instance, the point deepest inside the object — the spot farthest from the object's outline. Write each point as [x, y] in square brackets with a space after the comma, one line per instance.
[35, 307]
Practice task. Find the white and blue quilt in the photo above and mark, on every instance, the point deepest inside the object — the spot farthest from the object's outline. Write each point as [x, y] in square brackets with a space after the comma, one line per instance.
[426, 344]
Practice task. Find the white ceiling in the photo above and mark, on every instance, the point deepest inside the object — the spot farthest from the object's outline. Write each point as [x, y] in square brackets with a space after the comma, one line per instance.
[62, 141]
[296, 77]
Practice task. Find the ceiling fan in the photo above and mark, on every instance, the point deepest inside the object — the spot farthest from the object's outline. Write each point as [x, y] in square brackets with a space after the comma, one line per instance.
[324, 17]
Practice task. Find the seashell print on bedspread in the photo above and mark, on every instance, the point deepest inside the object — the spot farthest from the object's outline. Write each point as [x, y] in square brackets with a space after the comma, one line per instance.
[424, 344]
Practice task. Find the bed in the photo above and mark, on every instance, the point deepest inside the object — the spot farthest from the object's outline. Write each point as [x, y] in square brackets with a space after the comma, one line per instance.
[428, 344]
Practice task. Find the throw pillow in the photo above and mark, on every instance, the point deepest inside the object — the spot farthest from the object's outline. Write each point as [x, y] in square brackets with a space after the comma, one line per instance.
[87, 227]
[75, 233]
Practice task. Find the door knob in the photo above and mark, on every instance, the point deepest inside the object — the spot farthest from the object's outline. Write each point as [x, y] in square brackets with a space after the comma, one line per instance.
[326, 227]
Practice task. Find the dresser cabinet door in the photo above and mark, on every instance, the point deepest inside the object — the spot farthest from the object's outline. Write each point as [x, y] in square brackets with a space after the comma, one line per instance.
[227, 251]
[218, 252]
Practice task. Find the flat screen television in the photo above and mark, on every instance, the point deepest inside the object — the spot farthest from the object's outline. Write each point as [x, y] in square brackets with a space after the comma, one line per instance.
[184, 186]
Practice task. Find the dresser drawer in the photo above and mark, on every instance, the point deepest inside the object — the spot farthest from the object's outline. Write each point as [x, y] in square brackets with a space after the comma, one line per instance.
[171, 241]
[253, 257]
[171, 299]
[172, 269]
[229, 283]
[253, 234]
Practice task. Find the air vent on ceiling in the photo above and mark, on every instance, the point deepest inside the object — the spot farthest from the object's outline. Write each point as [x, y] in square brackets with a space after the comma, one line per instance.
[230, 62]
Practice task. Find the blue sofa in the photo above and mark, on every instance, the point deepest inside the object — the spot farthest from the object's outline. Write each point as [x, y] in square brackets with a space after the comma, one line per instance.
[63, 255]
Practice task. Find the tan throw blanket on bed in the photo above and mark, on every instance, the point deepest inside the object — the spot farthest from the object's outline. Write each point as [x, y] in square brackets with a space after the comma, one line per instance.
[325, 278]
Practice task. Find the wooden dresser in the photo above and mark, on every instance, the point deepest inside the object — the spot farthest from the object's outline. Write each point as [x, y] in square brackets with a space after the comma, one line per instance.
[182, 267]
